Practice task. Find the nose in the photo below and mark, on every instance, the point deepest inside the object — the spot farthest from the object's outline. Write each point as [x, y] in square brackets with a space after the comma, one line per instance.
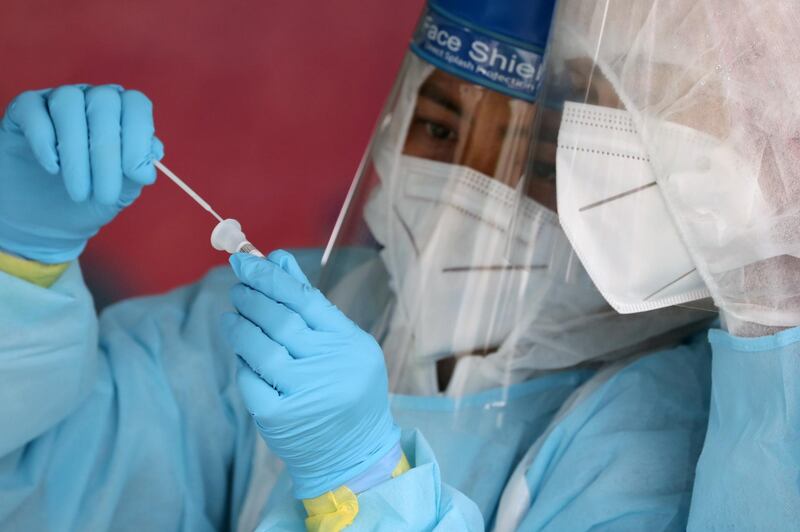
[482, 134]
[479, 152]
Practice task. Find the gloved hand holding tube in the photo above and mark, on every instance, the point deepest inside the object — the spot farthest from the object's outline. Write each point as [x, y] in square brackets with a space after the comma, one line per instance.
[314, 382]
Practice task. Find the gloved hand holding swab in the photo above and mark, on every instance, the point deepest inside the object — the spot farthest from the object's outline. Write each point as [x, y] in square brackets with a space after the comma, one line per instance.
[227, 235]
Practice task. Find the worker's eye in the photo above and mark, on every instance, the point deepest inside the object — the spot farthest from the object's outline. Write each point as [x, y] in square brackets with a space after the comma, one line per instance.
[440, 132]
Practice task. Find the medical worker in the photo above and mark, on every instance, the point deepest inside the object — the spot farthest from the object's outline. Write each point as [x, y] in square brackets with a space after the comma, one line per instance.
[473, 292]
[453, 260]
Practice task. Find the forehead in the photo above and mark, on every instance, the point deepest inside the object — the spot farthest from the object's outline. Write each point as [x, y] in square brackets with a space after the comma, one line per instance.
[451, 91]
[443, 80]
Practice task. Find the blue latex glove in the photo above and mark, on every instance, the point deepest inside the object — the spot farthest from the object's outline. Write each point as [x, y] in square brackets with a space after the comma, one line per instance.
[314, 382]
[71, 158]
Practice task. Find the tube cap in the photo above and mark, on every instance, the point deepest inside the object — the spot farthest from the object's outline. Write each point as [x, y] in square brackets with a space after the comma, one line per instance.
[227, 236]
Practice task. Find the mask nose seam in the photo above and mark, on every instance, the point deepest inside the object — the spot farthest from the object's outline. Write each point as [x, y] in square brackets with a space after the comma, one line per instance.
[493, 268]
[407, 230]
[617, 196]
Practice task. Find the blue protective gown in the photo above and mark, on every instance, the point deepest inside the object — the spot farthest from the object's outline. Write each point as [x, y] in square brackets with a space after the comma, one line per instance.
[134, 422]
[621, 453]
[748, 476]
[477, 440]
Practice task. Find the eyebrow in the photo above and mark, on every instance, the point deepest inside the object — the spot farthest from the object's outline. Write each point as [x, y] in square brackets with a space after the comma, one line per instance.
[437, 95]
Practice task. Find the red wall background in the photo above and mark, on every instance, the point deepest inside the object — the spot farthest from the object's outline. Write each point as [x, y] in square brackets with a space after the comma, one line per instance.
[264, 108]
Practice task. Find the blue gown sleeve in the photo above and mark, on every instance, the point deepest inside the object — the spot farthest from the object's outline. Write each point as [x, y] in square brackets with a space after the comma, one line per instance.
[129, 422]
[621, 453]
[414, 501]
[748, 475]
[48, 355]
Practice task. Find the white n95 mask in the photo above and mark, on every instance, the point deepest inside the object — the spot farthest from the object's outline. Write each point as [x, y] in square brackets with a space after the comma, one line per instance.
[613, 213]
[459, 284]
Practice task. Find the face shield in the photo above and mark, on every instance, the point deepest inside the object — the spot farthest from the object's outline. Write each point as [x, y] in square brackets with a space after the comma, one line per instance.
[450, 252]
[677, 153]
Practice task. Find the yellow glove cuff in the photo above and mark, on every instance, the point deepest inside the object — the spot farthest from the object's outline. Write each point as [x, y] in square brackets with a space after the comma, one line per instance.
[402, 466]
[43, 275]
[331, 511]
[337, 509]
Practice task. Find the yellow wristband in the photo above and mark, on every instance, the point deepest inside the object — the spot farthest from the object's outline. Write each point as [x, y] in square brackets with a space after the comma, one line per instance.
[43, 275]
[337, 509]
